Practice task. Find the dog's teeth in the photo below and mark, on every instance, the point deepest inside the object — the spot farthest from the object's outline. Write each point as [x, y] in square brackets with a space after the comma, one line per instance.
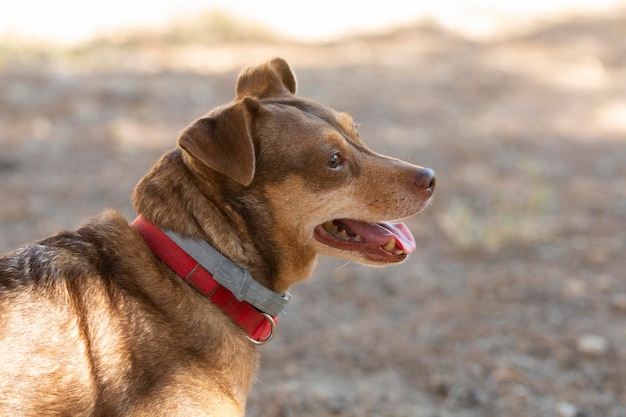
[343, 235]
[390, 245]
[330, 227]
[358, 238]
[400, 252]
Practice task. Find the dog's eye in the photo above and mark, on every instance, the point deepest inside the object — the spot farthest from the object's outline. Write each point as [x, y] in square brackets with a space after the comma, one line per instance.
[335, 161]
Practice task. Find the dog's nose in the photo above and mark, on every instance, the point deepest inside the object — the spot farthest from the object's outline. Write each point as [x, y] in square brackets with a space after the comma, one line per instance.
[425, 179]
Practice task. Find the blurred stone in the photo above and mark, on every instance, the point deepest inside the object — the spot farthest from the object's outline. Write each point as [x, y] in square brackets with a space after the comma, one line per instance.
[574, 288]
[566, 409]
[592, 345]
[439, 385]
[506, 374]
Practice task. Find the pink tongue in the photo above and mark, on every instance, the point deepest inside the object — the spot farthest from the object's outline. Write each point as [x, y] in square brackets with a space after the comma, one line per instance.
[404, 238]
[381, 233]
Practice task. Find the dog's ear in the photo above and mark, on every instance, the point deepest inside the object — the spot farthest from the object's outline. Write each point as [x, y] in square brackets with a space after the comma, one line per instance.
[274, 78]
[223, 140]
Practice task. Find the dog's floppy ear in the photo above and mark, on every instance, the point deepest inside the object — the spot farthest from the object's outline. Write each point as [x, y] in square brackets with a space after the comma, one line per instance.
[271, 79]
[223, 140]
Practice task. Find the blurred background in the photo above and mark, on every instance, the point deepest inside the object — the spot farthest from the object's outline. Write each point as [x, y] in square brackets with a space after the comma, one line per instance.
[515, 302]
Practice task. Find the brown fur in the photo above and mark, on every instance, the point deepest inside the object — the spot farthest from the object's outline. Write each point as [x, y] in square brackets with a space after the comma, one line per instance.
[93, 324]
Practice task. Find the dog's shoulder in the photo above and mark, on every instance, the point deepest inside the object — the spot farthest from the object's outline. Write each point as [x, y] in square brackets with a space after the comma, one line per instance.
[95, 247]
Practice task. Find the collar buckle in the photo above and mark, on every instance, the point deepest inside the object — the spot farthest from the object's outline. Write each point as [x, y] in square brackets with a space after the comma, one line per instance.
[272, 323]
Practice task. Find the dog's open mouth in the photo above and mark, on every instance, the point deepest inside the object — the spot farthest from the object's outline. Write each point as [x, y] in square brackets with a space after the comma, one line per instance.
[379, 242]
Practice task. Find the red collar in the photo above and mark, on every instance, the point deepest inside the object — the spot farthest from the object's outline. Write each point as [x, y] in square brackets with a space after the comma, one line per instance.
[258, 325]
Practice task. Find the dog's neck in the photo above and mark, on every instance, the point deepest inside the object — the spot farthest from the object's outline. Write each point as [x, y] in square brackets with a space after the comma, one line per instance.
[201, 266]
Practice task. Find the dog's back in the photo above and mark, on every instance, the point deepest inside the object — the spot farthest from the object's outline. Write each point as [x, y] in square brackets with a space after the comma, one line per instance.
[42, 347]
[86, 328]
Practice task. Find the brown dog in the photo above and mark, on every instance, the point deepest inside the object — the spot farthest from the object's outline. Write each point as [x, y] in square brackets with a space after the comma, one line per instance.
[98, 322]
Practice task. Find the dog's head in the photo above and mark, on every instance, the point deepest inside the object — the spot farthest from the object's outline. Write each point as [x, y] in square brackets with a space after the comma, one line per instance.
[302, 168]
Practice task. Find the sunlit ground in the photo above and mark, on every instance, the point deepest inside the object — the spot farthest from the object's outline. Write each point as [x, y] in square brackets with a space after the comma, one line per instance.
[173, 35]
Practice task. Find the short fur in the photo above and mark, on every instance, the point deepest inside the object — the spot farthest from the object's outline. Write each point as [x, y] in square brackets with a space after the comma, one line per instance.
[93, 324]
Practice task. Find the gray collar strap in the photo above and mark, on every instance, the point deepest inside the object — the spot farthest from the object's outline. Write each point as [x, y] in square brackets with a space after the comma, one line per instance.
[230, 276]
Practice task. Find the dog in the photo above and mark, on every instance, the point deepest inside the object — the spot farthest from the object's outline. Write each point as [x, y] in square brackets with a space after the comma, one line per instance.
[162, 316]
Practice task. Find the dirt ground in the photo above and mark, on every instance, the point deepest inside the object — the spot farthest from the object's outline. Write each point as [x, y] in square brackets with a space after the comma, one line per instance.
[515, 302]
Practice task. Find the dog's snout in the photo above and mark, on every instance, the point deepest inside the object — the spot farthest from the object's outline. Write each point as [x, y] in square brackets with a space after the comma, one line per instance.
[425, 179]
